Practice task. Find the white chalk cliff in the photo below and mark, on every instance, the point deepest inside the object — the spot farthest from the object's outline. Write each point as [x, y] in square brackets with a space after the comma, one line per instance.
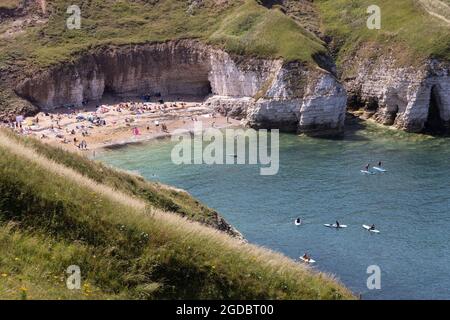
[264, 93]
[290, 96]
[414, 98]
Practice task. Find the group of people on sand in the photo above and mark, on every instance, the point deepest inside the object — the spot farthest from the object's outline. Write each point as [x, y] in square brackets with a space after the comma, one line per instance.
[82, 145]
[142, 107]
[68, 123]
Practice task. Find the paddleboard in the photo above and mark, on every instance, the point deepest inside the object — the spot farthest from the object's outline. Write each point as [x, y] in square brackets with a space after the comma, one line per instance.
[379, 169]
[368, 228]
[307, 261]
[367, 172]
[335, 226]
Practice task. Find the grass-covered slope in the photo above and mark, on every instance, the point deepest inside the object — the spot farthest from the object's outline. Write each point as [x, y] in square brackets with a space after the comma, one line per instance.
[160, 196]
[52, 216]
[241, 26]
[408, 31]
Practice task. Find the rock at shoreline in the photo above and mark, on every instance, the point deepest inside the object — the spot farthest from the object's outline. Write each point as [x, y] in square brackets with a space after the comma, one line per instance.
[414, 99]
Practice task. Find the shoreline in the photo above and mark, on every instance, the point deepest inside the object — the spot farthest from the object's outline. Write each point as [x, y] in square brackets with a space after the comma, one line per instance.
[162, 136]
[114, 125]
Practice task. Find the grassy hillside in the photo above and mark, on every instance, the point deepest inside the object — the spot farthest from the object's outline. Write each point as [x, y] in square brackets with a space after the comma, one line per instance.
[156, 194]
[407, 30]
[241, 26]
[52, 216]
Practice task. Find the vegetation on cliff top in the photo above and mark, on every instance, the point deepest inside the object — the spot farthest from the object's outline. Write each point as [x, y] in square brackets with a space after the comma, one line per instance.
[242, 26]
[56, 211]
[408, 32]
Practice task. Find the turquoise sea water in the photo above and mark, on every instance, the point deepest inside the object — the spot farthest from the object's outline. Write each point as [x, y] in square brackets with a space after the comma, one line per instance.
[320, 181]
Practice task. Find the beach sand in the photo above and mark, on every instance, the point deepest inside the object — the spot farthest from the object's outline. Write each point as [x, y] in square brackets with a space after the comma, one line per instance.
[118, 123]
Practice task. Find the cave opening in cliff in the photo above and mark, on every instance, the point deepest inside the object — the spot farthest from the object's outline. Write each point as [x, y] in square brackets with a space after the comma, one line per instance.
[270, 3]
[434, 123]
[372, 104]
[185, 86]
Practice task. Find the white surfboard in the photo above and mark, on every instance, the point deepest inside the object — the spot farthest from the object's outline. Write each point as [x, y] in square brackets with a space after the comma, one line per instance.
[368, 228]
[379, 169]
[367, 172]
[335, 226]
[307, 260]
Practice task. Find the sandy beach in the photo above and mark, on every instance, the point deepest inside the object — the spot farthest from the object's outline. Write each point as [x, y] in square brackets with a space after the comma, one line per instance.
[109, 124]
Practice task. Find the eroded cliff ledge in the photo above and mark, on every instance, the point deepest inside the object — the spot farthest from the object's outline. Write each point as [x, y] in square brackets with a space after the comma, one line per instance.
[265, 93]
[414, 98]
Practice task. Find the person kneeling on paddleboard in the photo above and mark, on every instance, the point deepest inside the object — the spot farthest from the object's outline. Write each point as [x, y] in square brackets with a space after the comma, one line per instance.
[306, 257]
[367, 167]
[372, 227]
[337, 224]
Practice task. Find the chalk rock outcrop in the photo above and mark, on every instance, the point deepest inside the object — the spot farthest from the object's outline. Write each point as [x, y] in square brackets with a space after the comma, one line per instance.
[415, 99]
[265, 93]
[315, 106]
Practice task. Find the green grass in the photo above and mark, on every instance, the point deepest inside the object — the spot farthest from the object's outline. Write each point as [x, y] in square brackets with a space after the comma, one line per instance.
[156, 194]
[407, 30]
[252, 29]
[242, 26]
[52, 217]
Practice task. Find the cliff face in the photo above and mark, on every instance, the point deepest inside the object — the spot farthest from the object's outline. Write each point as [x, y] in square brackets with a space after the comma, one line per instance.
[267, 93]
[315, 106]
[414, 99]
